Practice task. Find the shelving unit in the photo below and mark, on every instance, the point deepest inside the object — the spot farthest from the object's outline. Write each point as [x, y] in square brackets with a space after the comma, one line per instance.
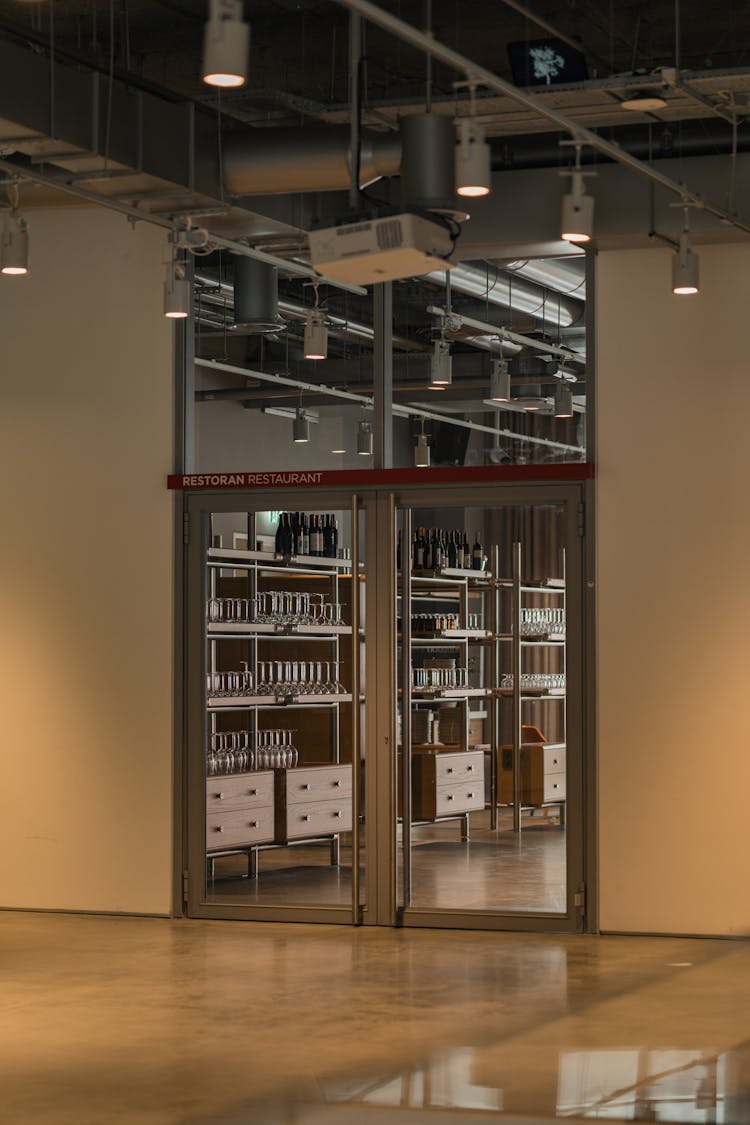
[529, 775]
[436, 787]
[285, 805]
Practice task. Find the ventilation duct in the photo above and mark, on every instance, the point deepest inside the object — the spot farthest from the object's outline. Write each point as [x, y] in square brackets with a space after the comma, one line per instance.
[428, 171]
[256, 295]
[274, 162]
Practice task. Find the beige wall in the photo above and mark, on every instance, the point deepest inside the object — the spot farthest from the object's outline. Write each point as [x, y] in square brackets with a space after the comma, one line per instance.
[86, 570]
[673, 594]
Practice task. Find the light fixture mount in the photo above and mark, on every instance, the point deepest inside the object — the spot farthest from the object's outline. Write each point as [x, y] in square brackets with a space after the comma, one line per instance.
[14, 245]
[226, 45]
[577, 218]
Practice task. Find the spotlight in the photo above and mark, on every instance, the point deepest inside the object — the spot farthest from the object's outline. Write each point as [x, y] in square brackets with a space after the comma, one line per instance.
[685, 268]
[500, 381]
[14, 245]
[577, 221]
[226, 44]
[316, 335]
[422, 451]
[441, 365]
[176, 292]
[473, 159]
[301, 427]
[563, 401]
[364, 439]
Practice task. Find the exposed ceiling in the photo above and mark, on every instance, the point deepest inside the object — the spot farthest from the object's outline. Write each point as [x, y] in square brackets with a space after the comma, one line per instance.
[72, 71]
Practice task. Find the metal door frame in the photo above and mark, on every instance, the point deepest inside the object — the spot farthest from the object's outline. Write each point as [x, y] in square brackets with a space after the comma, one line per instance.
[378, 504]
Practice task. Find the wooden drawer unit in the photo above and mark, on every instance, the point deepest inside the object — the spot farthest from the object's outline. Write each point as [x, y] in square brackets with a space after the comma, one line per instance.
[239, 792]
[313, 801]
[239, 828]
[239, 811]
[447, 784]
[542, 774]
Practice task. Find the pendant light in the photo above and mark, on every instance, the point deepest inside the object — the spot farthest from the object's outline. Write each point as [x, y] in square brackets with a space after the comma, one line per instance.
[177, 297]
[300, 427]
[422, 450]
[316, 335]
[577, 220]
[473, 159]
[226, 45]
[14, 245]
[441, 365]
[500, 381]
[685, 265]
[563, 401]
[364, 439]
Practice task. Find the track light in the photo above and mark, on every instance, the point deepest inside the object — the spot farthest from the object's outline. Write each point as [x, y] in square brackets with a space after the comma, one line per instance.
[364, 439]
[422, 451]
[473, 159]
[500, 381]
[577, 221]
[563, 401]
[176, 291]
[316, 335]
[685, 265]
[226, 44]
[441, 365]
[301, 426]
[14, 245]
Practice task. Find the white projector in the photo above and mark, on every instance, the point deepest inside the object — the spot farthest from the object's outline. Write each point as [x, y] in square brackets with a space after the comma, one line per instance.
[381, 249]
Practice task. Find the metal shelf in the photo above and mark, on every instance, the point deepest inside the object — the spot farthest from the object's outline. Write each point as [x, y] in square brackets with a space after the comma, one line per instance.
[243, 702]
[450, 693]
[257, 629]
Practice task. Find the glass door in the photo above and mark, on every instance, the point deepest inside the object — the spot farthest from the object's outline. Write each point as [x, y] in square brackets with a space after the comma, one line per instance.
[489, 750]
[276, 668]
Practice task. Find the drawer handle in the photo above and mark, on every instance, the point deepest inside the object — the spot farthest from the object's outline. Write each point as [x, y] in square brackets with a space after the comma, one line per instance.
[253, 824]
[252, 792]
[305, 817]
[219, 828]
[469, 796]
[450, 797]
[554, 761]
[336, 784]
[469, 769]
[337, 813]
[305, 786]
[220, 796]
[449, 769]
[554, 785]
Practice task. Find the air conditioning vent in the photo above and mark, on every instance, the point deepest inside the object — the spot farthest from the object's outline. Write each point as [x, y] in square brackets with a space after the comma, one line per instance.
[390, 235]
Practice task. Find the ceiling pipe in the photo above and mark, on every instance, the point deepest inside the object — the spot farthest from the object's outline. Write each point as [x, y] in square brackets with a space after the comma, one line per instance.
[221, 294]
[275, 162]
[367, 403]
[498, 288]
[483, 77]
[453, 322]
[559, 275]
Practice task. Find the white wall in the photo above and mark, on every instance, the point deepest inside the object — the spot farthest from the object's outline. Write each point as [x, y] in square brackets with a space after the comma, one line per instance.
[86, 570]
[673, 594]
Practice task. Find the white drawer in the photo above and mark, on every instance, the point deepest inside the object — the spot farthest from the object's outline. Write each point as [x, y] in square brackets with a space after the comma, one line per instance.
[554, 787]
[321, 818]
[451, 768]
[465, 797]
[238, 828]
[318, 783]
[554, 759]
[239, 791]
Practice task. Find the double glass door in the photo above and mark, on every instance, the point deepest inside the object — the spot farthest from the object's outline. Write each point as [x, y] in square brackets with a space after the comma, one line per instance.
[383, 707]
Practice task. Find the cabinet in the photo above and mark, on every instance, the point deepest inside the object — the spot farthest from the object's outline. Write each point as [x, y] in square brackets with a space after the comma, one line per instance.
[282, 689]
[445, 635]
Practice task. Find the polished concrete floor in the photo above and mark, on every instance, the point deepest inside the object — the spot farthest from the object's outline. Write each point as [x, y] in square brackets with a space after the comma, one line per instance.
[157, 1022]
[494, 870]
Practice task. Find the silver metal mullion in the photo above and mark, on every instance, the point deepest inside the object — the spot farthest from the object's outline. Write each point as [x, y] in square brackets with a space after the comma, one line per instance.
[517, 718]
[406, 706]
[356, 763]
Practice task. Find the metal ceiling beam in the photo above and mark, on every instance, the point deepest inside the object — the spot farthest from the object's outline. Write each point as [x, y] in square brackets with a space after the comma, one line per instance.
[482, 77]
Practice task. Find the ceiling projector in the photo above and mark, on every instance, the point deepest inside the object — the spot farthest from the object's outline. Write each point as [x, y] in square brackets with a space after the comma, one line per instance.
[381, 249]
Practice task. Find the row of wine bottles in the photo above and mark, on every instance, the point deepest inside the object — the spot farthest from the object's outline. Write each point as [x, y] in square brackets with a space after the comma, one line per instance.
[433, 548]
[307, 533]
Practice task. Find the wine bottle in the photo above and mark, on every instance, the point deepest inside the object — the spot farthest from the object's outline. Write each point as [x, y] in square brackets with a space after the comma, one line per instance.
[334, 537]
[318, 536]
[327, 536]
[452, 554]
[398, 551]
[477, 554]
[466, 560]
[428, 545]
[279, 540]
[419, 550]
